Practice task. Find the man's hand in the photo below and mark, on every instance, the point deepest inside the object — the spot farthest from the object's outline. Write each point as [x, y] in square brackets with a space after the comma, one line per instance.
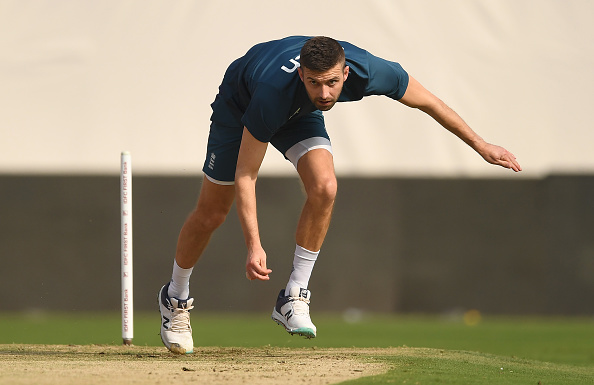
[499, 156]
[255, 267]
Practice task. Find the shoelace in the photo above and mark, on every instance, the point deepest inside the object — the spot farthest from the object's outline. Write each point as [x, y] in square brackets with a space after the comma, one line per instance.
[180, 321]
[300, 306]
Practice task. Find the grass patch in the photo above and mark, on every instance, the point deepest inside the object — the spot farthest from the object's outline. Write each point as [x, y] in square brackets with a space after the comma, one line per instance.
[432, 366]
[419, 349]
[561, 340]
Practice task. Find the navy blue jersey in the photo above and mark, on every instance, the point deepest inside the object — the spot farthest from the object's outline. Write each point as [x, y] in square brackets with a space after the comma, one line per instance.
[262, 90]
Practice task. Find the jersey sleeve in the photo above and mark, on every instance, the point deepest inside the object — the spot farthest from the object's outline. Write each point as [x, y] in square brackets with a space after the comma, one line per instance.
[372, 75]
[386, 78]
[266, 112]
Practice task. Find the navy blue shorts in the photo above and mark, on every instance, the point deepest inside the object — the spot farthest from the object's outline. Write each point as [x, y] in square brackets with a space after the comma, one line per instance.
[293, 140]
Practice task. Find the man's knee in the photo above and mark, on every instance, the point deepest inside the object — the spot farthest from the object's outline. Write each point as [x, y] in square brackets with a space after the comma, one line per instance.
[316, 170]
[214, 203]
[323, 190]
[208, 219]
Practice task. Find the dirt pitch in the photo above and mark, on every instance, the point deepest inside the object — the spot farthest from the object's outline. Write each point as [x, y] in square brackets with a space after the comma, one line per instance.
[114, 365]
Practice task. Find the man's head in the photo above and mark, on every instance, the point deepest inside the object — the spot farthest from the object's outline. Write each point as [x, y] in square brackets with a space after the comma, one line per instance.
[323, 71]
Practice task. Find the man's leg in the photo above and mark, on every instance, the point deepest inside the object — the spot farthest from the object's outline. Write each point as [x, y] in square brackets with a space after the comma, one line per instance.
[214, 203]
[213, 206]
[316, 169]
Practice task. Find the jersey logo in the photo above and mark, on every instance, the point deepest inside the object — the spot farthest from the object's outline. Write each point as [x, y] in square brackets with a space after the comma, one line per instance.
[295, 65]
[211, 162]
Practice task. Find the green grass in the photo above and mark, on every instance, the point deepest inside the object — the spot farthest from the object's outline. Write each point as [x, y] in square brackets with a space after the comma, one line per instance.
[430, 366]
[550, 350]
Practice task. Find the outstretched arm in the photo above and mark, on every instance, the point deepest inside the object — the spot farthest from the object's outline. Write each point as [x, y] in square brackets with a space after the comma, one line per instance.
[416, 96]
[249, 160]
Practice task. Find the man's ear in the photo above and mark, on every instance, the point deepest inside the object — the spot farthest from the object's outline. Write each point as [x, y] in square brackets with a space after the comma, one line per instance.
[300, 71]
[346, 72]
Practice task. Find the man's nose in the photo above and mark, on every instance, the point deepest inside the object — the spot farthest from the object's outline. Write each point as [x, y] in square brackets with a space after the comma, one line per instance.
[325, 92]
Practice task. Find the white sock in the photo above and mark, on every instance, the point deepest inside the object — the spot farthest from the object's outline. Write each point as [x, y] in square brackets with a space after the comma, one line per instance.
[180, 282]
[303, 264]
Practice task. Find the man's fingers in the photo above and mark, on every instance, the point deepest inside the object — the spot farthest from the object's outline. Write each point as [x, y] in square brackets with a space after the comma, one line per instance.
[516, 166]
[254, 275]
[257, 273]
[511, 162]
[261, 269]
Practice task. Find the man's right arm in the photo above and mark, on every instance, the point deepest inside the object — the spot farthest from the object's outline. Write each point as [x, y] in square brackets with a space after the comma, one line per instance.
[249, 160]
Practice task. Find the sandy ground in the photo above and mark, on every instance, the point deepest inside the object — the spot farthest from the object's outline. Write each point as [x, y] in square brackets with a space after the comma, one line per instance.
[113, 365]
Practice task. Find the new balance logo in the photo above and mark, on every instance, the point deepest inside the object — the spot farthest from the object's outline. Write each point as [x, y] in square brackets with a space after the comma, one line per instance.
[166, 322]
[289, 314]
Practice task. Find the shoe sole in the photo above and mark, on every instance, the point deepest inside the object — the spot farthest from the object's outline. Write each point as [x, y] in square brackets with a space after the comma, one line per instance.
[304, 332]
[174, 347]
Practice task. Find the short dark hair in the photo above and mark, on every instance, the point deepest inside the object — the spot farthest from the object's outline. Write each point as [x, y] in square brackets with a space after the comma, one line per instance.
[321, 53]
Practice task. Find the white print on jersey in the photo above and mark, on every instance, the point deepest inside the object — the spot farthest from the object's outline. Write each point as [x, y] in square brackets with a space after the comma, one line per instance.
[295, 65]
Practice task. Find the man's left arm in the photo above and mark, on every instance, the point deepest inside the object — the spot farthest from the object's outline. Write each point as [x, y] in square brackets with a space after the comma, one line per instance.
[416, 96]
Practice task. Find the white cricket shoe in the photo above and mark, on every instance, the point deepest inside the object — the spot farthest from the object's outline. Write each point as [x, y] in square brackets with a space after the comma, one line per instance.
[292, 312]
[176, 332]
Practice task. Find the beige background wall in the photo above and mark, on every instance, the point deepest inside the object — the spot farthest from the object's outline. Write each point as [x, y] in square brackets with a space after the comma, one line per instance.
[81, 80]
